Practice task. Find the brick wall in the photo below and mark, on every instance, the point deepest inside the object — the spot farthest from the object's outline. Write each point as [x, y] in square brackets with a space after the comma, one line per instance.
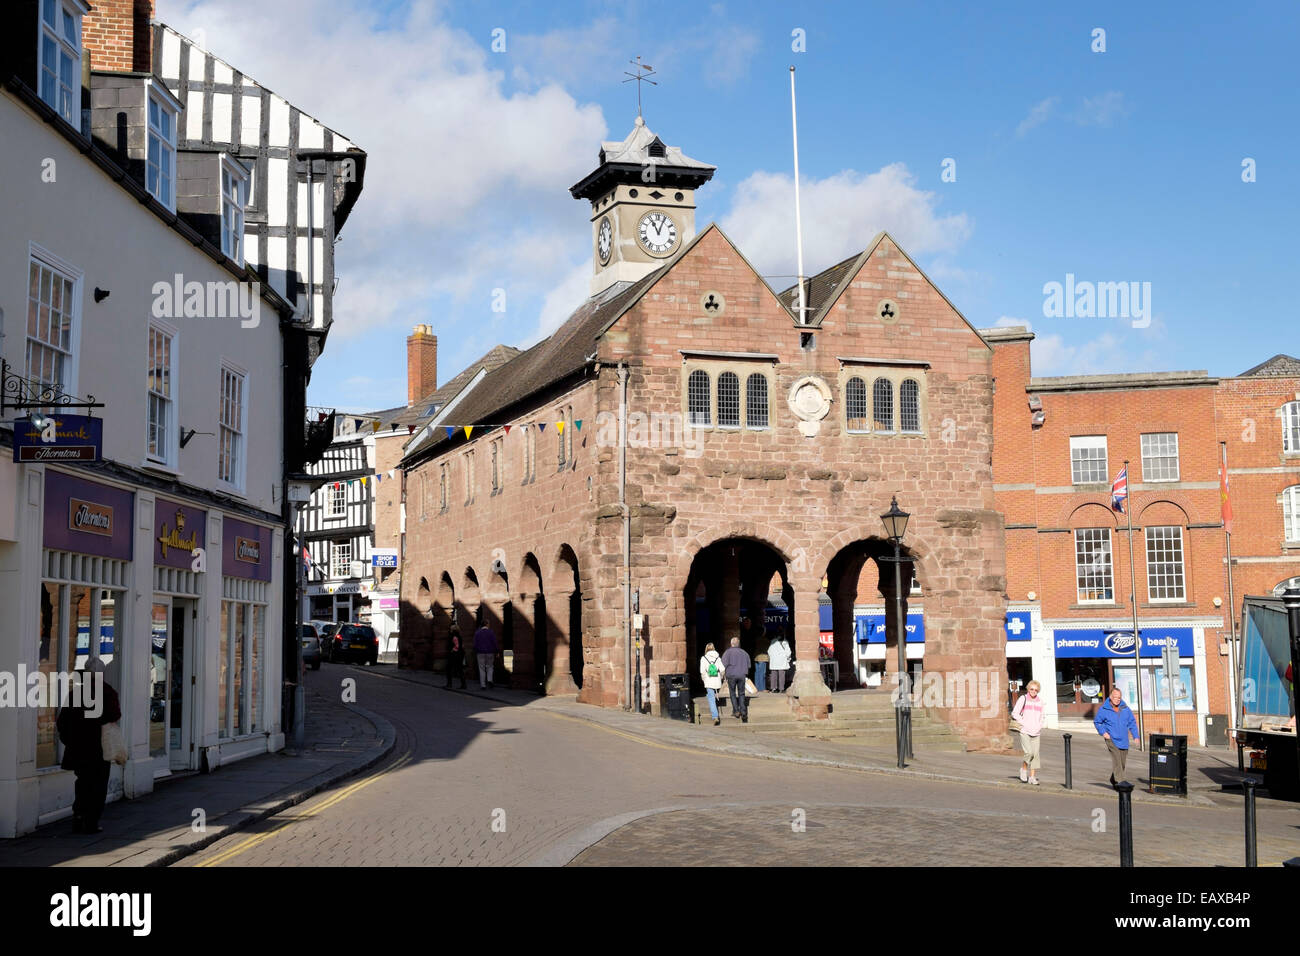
[116, 35]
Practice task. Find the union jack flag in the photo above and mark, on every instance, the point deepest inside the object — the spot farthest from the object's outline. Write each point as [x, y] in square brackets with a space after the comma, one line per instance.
[1119, 490]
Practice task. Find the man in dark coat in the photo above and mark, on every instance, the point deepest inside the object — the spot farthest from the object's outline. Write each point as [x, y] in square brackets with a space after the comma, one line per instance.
[455, 656]
[80, 729]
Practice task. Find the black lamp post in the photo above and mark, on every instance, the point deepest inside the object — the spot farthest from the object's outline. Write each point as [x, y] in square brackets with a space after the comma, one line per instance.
[895, 522]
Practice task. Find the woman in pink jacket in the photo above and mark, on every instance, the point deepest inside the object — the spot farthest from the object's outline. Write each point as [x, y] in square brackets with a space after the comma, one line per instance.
[1029, 712]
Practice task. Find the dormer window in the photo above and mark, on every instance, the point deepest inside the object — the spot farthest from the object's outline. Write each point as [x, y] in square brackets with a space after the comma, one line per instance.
[657, 149]
[59, 65]
[160, 165]
[234, 190]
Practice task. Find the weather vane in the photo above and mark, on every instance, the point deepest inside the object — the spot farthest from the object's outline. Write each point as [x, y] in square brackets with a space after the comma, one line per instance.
[640, 78]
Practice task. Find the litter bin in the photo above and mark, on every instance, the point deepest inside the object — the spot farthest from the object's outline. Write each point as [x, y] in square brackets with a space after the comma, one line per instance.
[675, 697]
[1168, 763]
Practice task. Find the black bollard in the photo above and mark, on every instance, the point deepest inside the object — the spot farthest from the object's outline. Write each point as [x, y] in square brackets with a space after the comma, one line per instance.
[1248, 787]
[1069, 772]
[1241, 759]
[1125, 822]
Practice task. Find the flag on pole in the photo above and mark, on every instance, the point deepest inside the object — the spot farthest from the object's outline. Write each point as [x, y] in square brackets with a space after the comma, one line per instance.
[306, 558]
[1225, 502]
[1119, 490]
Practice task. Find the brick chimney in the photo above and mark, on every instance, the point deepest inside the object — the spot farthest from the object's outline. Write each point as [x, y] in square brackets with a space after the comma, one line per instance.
[421, 363]
[117, 35]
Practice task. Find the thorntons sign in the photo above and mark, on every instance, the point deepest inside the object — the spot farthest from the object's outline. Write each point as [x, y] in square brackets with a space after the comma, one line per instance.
[245, 550]
[85, 517]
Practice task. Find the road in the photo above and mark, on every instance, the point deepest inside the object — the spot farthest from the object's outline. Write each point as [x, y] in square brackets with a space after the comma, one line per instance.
[475, 782]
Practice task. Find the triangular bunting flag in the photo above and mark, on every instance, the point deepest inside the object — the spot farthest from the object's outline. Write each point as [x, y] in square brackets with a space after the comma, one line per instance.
[337, 486]
[468, 429]
[392, 426]
[356, 424]
[541, 426]
[378, 478]
[578, 424]
[321, 416]
[451, 430]
[410, 429]
[559, 427]
[507, 428]
[363, 482]
[374, 426]
[391, 472]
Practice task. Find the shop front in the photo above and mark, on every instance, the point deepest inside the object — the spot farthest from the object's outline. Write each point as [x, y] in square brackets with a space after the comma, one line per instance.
[177, 609]
[83, 611]
[872, 654]
[339, 601]
[240, 656]
[1090, 659]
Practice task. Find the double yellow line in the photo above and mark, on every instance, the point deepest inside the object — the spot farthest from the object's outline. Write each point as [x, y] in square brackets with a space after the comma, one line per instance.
[248, 844]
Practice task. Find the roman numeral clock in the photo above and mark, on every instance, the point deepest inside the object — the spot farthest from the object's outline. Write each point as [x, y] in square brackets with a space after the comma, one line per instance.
[642, 198]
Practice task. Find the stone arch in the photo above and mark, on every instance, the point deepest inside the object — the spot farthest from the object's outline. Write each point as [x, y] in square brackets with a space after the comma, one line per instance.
[565, 661]
[1162, 509]
[1092, 514]
[468, 601]
[794, 555]
[918, 545]
[497, 611]
[529, 618]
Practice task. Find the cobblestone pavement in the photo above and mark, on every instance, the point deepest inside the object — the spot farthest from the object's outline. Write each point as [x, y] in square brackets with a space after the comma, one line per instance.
[474, 780]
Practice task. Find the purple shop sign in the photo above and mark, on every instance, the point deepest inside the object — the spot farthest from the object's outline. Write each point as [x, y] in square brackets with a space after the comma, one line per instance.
[178, 531]
[245, 550]
[86, 517]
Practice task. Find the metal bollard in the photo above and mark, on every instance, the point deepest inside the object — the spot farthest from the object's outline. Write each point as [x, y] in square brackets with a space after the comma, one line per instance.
[1248, 787]
[1125, 823]
[1241, 759]
[1069, 772]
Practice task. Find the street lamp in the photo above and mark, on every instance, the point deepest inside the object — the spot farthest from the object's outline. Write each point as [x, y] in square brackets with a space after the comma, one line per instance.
[895, 522]
[300, 488]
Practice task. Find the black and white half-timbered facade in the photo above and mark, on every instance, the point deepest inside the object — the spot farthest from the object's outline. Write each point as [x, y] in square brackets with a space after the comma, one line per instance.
[338, 527]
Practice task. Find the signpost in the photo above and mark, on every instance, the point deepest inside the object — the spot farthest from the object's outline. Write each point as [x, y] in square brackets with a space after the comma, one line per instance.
[1172, 675]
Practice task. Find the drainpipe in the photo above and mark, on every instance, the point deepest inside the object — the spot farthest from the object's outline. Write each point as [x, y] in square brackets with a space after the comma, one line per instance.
[627, 526]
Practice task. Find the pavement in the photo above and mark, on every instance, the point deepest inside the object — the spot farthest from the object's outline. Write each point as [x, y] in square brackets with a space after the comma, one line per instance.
[347, 741]
[160, 828]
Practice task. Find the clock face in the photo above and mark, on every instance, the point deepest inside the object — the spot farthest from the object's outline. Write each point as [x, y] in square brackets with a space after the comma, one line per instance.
[658, 233]
[604, 240]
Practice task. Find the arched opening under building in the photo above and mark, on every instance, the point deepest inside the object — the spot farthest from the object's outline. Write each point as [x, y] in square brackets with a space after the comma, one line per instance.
[730, 580]
[859, 615]
[566, 646]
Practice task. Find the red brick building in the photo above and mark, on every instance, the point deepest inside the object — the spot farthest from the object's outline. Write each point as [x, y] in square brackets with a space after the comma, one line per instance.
[1059, 443]
[684, 440]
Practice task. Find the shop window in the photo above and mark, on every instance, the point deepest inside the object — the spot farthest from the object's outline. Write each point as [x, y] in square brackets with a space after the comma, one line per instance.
[1088, 459]
[1093, 569]
[239, 701]
[51, 658]
[1160, 456]
[1165, 579]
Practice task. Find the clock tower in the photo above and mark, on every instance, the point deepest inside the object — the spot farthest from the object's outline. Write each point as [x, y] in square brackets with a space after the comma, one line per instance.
[642, 199]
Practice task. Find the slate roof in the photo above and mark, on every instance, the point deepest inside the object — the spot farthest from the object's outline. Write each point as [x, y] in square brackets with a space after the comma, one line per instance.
[820, 288]
[495, 357]
[549, 361]
[619, 160]
[1281, 366]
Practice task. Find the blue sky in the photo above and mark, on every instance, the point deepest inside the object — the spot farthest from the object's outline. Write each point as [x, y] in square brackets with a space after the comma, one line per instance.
[1123, 165]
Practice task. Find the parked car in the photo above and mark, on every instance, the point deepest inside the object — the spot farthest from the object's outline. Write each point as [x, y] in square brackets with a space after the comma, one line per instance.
[353, 642]
[327, 640]
[310, 646]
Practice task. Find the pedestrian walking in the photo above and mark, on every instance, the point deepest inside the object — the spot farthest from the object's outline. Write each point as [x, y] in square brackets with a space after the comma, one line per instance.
[1029, 712]
[1115, 723]
[81, 729]
[712, 673]
[455, 656]
[736, 665]
[778, 652]
[754, 623]
[485, 649]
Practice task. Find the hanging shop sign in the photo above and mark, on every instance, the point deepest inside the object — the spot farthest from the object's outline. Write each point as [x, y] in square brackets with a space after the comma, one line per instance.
[86, 517]
[1020, 626]
[66, 438]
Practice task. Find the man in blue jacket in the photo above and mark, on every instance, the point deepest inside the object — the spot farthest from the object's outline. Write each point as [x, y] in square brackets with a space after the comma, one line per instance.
[1115, 723]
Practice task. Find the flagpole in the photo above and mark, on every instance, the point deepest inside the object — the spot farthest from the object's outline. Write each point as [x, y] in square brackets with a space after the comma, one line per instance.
[1137, 640]
[1234, 652]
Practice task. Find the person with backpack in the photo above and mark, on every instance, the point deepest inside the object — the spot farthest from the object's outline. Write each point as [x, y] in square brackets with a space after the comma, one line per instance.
[712, 672]
[1029, 712]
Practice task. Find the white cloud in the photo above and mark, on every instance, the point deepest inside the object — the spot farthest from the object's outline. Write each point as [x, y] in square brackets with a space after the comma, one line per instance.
[1038, 114]
[841, 215]
[572, 291]
[1102, 110]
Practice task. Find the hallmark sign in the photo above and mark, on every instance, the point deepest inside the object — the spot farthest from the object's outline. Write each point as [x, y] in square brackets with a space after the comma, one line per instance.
[178, 535]
[65, 438]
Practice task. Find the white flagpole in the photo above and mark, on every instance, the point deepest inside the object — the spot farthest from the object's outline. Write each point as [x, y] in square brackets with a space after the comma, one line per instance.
[1137, 640]
[798, 225]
